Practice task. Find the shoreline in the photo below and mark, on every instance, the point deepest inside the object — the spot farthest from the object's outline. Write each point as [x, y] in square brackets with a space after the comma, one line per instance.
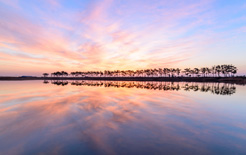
[232, 80]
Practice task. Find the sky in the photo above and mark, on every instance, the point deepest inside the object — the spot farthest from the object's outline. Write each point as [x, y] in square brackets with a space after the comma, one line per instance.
[90, 35]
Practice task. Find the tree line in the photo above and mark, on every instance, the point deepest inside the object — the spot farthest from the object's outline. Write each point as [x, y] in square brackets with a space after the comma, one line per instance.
[214, 71]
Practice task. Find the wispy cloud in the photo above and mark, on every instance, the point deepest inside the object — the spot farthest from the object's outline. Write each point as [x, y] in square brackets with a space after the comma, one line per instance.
[104, 34]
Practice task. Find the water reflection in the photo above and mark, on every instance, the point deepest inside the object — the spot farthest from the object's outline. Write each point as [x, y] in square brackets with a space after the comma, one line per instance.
[38, 118]
[214, 88]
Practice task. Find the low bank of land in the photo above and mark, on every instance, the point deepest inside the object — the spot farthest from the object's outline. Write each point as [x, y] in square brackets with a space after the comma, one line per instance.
[233, 80]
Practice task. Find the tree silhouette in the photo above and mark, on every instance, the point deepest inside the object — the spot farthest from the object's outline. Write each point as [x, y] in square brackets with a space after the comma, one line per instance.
[226, 70]
[45, 74]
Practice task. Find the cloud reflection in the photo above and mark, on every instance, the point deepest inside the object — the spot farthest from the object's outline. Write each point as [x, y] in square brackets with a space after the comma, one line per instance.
[98, 119]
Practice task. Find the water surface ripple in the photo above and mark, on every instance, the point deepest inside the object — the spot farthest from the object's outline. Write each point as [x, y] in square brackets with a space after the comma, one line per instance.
[103, 117]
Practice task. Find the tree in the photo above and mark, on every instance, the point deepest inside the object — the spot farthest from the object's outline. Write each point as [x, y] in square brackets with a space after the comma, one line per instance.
[192, 72]
[178, 71]
[208, 71]
[45, 74]
[186, 71]
[196, 71]
[233, 70]
[203, 71]
[63, 73]
[218, 70]
[224, 70]
[213, 71]
[73, 73]
[173, 71]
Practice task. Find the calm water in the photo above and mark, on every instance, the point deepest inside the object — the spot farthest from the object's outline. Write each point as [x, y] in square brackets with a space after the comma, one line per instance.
[83, 117]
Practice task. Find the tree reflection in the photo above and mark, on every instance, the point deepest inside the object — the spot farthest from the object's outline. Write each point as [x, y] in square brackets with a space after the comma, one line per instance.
[62, 83]
[214, 88]
[46, 82]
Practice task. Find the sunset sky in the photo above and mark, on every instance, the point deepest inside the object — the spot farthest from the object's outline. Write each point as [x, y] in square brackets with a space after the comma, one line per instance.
[82, 35]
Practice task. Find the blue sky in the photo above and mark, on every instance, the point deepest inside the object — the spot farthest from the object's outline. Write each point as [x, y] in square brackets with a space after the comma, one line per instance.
[50, 35]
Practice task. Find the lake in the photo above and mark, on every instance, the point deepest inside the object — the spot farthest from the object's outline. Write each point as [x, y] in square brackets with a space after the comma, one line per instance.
[112, 117]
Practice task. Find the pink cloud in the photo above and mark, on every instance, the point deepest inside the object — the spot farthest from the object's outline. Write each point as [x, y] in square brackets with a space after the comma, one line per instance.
[101, 39]
[242, 29]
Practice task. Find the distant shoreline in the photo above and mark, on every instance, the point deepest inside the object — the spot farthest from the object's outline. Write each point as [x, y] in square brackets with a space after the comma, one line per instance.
[233, 80]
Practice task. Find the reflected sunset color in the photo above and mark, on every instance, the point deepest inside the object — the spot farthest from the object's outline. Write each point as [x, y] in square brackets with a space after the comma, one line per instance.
[50, 119]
